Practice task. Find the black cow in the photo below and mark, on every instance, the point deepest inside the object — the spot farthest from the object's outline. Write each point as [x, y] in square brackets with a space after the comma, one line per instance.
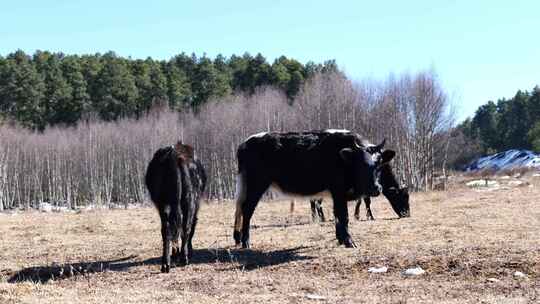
[176, 180]
[306, 163]
[397, 196]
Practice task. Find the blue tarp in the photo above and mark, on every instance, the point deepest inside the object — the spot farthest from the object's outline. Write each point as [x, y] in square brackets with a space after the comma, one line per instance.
[510, 159]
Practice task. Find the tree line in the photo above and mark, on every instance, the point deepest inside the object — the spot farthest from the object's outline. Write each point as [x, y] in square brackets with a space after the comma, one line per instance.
[498, 126]
[103, 162]
[50, 89]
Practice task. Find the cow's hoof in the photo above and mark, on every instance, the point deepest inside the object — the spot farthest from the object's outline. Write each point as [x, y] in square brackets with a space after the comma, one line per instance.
[184, 260]
[245, 245]
[370, 218]
[237, 235]
[405, 214]
[350, 244]
[165, 268]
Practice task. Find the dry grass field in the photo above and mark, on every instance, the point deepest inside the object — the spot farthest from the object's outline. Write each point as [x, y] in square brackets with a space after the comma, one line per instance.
[470, 242]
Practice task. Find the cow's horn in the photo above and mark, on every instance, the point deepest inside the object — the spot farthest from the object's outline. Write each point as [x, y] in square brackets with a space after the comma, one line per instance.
[381, 145]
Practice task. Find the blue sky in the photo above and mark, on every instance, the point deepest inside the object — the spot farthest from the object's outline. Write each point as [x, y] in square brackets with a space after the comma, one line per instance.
[481, 50]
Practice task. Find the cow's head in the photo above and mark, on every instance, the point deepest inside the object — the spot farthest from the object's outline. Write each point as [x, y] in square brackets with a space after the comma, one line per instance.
[365, 173]
[185, 153]
[399, 199]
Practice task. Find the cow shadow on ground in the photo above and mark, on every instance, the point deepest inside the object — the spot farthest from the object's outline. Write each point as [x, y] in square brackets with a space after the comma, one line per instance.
[282, 225]
[390, 219]
[239, 259]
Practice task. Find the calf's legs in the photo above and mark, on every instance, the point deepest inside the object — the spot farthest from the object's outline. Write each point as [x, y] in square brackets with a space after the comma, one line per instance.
[369, 214]
[317, 212]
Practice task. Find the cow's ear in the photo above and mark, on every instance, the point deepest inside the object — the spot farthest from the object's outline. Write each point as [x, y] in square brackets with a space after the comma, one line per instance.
[184, 152]
[377, 148]
[347, 154]
[387, 156]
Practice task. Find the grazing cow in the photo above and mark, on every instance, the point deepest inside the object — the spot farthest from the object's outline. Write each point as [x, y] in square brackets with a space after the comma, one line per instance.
[305, 164]
[176, 180]
[397, 196]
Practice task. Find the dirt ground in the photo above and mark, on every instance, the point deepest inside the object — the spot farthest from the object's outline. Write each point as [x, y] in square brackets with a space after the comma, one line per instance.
[469, 241]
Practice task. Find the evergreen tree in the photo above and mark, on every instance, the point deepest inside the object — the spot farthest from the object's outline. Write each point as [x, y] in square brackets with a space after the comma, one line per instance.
[485, 124]
[22, 90]
[533, 106]
[51, 88]
[58, 93]
[117, 93]
[515, 122]
[178, 86]
[207, 82]
[79, 103]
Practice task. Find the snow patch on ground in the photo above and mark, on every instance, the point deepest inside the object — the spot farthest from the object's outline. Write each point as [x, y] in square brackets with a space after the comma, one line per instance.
[482, 183]
[414, 271]
[377, 269]
[312, 296]
[519, 275]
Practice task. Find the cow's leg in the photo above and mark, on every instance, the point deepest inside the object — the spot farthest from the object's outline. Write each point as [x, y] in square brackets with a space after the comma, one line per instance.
[166, 237]
[357, 209]
[190, 244]
[341, 215]
[369, 215]
[188, 229]
[241, 189]
[254, 193]
[175, 249]
[314, 210]
[320, 210]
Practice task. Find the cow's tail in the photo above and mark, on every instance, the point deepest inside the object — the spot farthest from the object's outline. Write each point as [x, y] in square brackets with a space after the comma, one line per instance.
[240, 199]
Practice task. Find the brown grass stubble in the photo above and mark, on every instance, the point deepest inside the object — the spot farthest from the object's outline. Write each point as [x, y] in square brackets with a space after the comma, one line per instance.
[461, 238]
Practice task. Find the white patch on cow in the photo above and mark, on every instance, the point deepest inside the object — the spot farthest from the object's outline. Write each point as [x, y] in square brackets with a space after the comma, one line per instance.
[167, 209]
[277, 192]
[332, 131]
[240, 198]
[375, 157]
[260, 134]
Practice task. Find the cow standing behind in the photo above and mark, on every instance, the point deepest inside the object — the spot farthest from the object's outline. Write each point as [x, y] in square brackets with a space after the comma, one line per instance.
[176, 180]
[396, 195]
[305, 164]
